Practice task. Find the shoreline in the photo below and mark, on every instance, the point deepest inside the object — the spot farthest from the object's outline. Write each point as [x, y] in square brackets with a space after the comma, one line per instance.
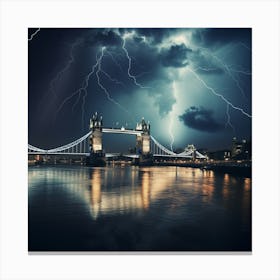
[233, 168]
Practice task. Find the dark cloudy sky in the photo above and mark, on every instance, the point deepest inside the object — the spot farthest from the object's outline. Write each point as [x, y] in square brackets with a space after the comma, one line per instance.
[193, 85]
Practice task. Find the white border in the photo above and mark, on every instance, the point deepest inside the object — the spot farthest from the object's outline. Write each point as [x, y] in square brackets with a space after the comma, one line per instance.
[17, 16]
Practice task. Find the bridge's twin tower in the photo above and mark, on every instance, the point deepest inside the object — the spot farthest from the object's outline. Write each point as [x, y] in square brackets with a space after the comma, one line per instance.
[143, 140]
[95, 143]
[97, 155]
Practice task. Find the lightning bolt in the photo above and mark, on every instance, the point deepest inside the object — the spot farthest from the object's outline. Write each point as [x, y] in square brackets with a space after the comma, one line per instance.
[237, 82]
[34, 34]
[112, 79]
[83, 90]
[228, 123]
[219, 95]
[244, 45]
[77, 101]
[171, 133]
[170, 128]
[101, 85]
[206, 69]
[228, 118]
[228, 70]
[244, 72]
[230, 49]
[240, 44]
[65, 69]
[114, 60]
[133, 77]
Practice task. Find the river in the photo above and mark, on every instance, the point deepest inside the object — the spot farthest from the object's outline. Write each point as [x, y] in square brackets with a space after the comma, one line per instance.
[130, 208]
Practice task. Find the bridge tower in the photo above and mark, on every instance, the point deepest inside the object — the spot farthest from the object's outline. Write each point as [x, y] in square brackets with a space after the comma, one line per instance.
[97, 155]
[143, 143]
[191, 148]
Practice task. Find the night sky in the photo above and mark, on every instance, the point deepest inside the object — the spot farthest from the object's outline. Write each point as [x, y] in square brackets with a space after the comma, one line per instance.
[193, 85]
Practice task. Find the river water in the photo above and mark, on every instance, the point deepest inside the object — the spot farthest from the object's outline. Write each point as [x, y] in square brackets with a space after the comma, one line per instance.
[129, 208]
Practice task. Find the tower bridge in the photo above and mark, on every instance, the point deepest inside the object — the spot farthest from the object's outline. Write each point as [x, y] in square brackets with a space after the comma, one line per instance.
[90, 145]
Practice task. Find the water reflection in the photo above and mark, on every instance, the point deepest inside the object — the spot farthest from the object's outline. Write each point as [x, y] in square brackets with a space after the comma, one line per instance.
[134, 208]
[95, 191]
[208, 186]
[246, 201]
[145, 189]
[247, 184]
[226, 186]
[114, 190]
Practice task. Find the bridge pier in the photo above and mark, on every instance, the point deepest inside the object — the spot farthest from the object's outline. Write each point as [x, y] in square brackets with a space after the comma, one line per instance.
[97, 155]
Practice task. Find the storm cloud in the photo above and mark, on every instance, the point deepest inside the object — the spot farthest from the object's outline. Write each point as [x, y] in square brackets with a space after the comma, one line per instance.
[201, 119]
[130, 73]
[155, 34]
[103, 37]
[218, 36]
[175, 56]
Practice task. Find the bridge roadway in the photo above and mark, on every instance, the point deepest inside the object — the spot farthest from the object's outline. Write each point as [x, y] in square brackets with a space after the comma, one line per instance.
[122, 131]
[107, 155]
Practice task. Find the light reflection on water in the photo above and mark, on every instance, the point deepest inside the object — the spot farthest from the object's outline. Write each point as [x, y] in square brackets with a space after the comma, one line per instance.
[159, 196]
[121, 189]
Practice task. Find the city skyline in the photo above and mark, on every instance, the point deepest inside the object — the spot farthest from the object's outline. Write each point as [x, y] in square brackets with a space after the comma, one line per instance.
[193, 85]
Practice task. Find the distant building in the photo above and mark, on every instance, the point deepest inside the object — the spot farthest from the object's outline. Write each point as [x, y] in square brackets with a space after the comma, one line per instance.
[241, 149]
[220, 155]
[227, 155]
